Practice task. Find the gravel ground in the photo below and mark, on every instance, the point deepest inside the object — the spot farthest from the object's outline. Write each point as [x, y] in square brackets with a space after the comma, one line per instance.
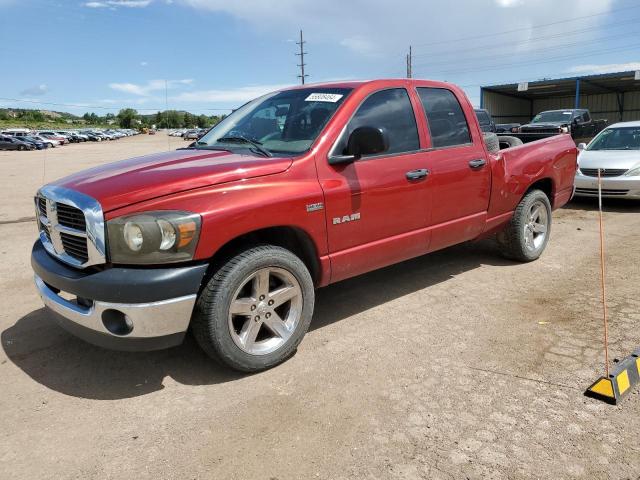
[459, 364]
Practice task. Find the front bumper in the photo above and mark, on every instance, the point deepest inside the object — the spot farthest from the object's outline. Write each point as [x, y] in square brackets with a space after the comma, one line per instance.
[120, 308]
[612, 187]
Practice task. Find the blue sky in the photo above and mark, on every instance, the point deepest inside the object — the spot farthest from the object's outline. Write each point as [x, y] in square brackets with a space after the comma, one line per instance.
[104, 55]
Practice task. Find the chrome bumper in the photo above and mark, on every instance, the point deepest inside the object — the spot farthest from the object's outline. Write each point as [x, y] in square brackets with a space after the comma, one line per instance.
[612, 187]
[168, 319]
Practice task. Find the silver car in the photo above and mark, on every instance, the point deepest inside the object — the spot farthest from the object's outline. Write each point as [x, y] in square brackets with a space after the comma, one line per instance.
[616, 153]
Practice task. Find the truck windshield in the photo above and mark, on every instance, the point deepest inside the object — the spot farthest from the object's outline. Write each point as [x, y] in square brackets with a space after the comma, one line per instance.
[555, 116]
[286, 122]
[626, 138]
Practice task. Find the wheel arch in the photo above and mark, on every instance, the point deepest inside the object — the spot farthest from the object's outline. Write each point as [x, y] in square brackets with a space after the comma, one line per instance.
[294, 239]
[546, 185]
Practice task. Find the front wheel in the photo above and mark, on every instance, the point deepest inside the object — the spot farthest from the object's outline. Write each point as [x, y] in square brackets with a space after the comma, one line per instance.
[255, 309]
[527, 234]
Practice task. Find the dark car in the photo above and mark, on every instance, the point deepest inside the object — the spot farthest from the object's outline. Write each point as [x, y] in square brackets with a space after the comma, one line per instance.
[484, 119]
[10, 143]
[507, 127]
[39, 144]
[577, 122]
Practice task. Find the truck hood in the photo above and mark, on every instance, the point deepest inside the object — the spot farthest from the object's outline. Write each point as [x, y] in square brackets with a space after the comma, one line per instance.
[126, 182]
[626, 159]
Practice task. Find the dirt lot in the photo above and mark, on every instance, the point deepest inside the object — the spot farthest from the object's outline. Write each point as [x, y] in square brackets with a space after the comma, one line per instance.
[459, 364]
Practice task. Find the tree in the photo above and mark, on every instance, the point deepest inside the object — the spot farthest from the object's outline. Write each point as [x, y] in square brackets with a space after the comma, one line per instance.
[189, 120]
[203, 121]
[126, 117]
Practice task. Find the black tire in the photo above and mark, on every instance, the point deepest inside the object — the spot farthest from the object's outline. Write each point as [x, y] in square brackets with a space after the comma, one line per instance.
[21, 148]
[506, 141]
[491, 141]
[512, 239]
[210, 322]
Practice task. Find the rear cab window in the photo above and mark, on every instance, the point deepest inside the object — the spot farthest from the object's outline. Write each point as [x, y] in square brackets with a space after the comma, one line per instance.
[390, 110]
[447, 123]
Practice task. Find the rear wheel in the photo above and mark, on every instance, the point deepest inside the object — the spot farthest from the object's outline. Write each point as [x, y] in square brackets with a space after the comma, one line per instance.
[255, 309]
[527, 234]
[21, 148]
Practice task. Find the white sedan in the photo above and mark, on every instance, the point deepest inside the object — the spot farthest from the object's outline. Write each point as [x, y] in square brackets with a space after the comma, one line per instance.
[616, 153]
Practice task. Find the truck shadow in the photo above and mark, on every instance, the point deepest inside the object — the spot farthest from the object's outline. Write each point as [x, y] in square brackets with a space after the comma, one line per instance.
[63, 363]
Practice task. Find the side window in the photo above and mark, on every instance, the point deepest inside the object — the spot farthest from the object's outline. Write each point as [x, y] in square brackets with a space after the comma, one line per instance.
[586, 117]
[447, 123]
[390, 110]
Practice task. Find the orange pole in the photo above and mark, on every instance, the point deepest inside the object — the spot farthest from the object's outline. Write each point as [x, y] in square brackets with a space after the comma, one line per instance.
[602, 280]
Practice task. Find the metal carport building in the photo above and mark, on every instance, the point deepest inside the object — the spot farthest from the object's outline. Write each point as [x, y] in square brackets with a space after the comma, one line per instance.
[611, 96]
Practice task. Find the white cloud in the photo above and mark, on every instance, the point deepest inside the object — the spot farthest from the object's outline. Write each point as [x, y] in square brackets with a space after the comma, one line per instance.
[509, 3]
[144, 64]
[233, 95]
[608, 68]
[119, 3]
[383, 27]
[35, 91]
[359, 44]
[149, 87]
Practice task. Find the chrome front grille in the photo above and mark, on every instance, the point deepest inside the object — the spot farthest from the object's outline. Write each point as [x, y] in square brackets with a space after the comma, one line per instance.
[605, 191]
[71, 226]
[552, 130]
[604, 172]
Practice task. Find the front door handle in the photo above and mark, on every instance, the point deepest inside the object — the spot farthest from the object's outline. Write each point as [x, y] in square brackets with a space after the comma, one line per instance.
[477, 163]
[418, 174]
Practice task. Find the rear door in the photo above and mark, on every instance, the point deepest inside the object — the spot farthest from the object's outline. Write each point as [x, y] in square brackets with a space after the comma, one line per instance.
[460, 179]
[377, 206]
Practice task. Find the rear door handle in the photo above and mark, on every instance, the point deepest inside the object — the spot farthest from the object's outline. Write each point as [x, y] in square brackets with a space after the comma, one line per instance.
[477, 163]
[418, 174]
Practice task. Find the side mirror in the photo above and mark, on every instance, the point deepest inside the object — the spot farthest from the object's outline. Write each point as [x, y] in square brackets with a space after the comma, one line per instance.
[582, 146]
[363, 141]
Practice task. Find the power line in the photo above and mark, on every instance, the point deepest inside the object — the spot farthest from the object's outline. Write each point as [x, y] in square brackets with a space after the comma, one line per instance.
[548, 60]
[504, 54]
[523, 29]
[494, 46]
[302, 75]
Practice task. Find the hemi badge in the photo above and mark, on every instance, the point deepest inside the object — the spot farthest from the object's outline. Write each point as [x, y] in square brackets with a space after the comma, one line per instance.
[312, 207]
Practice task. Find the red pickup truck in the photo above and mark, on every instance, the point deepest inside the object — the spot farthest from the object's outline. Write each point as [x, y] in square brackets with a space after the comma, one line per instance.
[293, 191]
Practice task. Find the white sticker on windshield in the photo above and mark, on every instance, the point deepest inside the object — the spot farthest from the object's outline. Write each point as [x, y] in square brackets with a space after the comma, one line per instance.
[323, 97]
[567, 113]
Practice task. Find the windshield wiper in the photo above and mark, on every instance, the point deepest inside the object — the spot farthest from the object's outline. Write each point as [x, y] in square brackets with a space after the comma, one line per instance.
[240, 138]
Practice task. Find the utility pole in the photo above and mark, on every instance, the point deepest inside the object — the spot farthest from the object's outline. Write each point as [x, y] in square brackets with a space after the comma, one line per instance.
[302, 53]
[409, 63]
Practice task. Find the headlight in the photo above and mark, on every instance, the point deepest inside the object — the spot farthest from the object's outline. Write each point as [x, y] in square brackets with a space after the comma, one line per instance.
[153, 237]
[564, 129]
[634, 172]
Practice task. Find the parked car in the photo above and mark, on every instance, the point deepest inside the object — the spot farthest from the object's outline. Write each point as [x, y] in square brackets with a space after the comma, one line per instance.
[192, 134]
[484, 119]
[16, 132]
[47, 141]
[39, 144]
[576, 122]
[230, 237]
[14, 143]
[63, 140]
[615, 152]
[507, 127]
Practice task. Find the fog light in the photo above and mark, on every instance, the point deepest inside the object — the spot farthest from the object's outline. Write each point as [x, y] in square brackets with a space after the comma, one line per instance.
[117, 322]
